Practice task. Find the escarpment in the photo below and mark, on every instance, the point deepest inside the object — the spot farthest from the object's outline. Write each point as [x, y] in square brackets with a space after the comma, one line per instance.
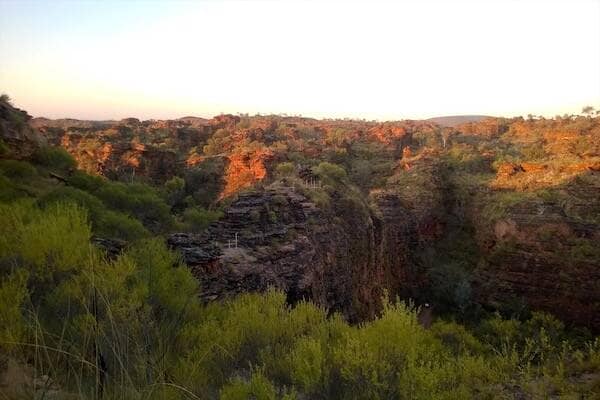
[499, 213]
[344, 258]
[151, 149]
[20, 139]
[543, 253]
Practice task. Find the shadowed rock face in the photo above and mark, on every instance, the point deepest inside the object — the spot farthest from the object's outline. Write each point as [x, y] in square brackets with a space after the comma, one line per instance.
[540, 256]
[343, 259]
[276, 237]
[16, 133]
[345, 255]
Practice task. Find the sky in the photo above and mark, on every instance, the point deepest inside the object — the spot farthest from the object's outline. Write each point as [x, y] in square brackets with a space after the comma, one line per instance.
[368, 59]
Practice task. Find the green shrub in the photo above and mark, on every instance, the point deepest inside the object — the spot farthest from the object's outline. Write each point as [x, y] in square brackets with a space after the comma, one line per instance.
[56, 238]
[4, 150]
[104, 222]
[54, 158]
[112, 224]
[205, 181]
[66, 194]
[174, 184]
[308, 365]
[138, 200]
[137, 316]
[451, 287]
[456, 338]
[17, 169]
[83, 181]
[331, 174]
[13, 293]
[9, 191]
[285, 169]
[199, 219]
[62, 296]
[258, 388]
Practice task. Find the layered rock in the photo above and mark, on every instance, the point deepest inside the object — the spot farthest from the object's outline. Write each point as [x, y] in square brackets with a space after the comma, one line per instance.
[117, 150]
[544, 254]
[20, 139]
[345, 258]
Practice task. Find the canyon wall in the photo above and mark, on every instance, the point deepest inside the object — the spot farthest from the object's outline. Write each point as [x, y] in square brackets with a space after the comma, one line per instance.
[526, 193]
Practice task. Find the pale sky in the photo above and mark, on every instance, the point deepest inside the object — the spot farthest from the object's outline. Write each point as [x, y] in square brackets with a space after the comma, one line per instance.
[362, 59]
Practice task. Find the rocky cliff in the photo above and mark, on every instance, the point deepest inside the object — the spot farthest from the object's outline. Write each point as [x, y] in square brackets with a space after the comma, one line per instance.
[344, 258]
[543, 253]
[508, 207]
[19, 138]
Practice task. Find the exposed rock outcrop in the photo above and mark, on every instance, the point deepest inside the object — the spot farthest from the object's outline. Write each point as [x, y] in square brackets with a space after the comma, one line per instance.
[344, 259]
[20, 139]
[543, 254]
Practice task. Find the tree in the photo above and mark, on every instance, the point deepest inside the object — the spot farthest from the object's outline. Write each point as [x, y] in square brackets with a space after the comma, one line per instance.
[285, 169]
[588, 110]
[4, 98]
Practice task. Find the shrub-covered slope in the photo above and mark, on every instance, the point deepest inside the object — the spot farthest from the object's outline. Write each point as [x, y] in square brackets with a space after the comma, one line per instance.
[327, 219]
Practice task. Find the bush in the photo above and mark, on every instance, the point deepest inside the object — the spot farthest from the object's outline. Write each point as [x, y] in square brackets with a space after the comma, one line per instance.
[13, 293]
[83, 181]
[138, 200]
[199, 219]
[285, 169]
[204, 182]
[534, 152]
[61, 296]
[174, 184]
[4, 150]
[111, 224]
[258, 388]
[104, 223]
[9, 191]
[55, 158]
[135, 324]
[17, 169]
[330, 173]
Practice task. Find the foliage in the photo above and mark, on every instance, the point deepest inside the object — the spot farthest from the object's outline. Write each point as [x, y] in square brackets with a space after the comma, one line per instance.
[4, 149]
[205, 181]
[217, 143]
[83, 181]
[199, 219]
[55, 158]
[285, 169]
[330, 173]
[17, 169]
[258, 387]
[124, 316]
[138, 318]
[104, 222]
[138, 200]
[131, 326]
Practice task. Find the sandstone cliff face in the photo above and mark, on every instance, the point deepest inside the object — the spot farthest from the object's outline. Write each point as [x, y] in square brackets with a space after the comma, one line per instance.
[20, 139]
[278, 237]
[152, 149]
[542, 255]
[344, 253]
[344, 258]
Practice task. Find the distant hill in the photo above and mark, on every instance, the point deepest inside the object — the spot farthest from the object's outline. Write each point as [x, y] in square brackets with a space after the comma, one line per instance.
[66, 123]
[195, 120]
[454, 120]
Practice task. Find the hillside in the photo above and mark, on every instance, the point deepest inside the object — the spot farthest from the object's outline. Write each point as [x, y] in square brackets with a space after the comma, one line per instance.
[454, 120]
[274, 255]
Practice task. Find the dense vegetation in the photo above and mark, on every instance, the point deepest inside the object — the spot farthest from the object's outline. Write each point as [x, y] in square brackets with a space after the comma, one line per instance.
[79, 322]
[132, 328]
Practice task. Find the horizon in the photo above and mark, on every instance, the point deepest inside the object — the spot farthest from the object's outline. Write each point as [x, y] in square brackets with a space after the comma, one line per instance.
[328, 60]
